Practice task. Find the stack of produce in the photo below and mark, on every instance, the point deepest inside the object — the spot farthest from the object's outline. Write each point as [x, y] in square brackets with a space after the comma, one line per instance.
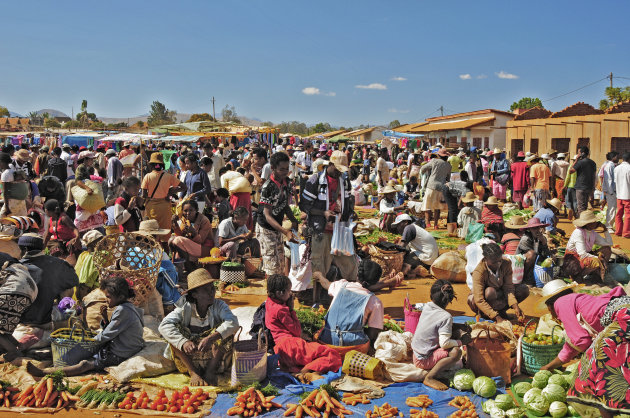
[311, 320]
[465, 406]
[353, 399]
[251, 402]
[50, 392]
[8, 394]
[101, 399]
[384, 411]
[322, 402]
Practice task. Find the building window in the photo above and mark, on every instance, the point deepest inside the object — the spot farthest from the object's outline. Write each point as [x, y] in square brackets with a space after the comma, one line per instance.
[583, 142]
[517, 145]
[464, 139]
[533, 146]
[621, 145]
[560, 144]
[477, 142]
[486, 142]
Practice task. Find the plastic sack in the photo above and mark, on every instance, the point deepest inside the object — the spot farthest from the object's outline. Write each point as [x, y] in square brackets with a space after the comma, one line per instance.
[518, 267]
[542, 275]
[342, 239]
[393, 346]
[89, 202]
[475, 232]
[619, 272]
[150, 361]
[294, 247]
[450, 266]
[473, 257]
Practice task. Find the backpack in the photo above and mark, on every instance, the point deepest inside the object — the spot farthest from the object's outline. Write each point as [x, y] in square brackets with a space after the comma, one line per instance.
[58, 168]
[259, 323]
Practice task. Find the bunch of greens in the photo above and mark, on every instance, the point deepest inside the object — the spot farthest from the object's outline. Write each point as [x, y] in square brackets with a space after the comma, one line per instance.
[373, 237]
[525, 213]
[311, 320]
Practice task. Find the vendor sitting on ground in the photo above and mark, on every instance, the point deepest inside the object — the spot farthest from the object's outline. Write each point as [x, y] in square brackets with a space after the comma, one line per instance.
[423, 248]
[493, 292]
[353, 309]
[580, 260]
[492, 217]
[121, 337]
[234, 237]
[61, 236]
[201, 332]
[296, 354]
[513, 234]
[468, 215]
[193, 237]
[388, 207]
[434, 348]
[548, 214]
[533, 245]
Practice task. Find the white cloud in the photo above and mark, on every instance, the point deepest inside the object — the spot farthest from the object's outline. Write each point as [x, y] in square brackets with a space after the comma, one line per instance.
[399, 79]
[394, 110]
[503, 74]
[331, 94]
[311, 91]
[481, 76]
[372, 86]
[465, 76]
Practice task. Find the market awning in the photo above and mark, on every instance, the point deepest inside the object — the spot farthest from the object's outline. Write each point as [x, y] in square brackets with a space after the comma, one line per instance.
[339, 138]
[452, 126]
[178, 138]
[125, 137]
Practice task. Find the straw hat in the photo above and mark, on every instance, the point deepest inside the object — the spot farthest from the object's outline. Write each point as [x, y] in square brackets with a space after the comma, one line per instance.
[86, 154]
[22, 154]
[388, 189]
[340, 160]
[534, 223]
[556, 203]
[156, 158]
[552, 288]
[199, 278]
[470, 197]
[443, 153]
[492, 200]
[110, 151]
[91, 237]
[497, 151]
[516, 222]
[417, 151]
[586, 217]
[152, 227]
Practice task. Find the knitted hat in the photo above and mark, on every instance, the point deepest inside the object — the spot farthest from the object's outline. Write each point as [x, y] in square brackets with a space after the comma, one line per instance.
[31, 241]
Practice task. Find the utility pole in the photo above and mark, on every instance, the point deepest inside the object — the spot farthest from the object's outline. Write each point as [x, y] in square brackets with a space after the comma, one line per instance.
[611, 79]
[442, 110]
[214, 116]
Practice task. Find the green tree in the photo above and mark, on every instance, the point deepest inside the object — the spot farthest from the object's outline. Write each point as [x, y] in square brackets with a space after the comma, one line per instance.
[72, 124]
[614, 95]
[33, 115]
[394, 124]
[526, 103]
[97, 125]
[4, 111]
[52, 123]
[200, 117]
[140, 124]
[321, 127]
[45, 115]
[228, 114]
[160, 115]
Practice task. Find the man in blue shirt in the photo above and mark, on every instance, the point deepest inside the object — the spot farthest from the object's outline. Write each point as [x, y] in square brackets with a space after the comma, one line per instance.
[197, 182]
[548, 214]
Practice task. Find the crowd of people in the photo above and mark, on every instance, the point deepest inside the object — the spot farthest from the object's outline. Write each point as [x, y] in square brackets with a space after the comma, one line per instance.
[283, 203]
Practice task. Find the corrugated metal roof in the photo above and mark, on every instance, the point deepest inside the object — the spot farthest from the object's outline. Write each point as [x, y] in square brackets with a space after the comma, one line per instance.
[451, 126]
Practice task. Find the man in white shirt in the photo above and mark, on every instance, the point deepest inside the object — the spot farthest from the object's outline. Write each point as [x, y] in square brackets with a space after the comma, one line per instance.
[382, 169]
[607, 178]
[622, 184]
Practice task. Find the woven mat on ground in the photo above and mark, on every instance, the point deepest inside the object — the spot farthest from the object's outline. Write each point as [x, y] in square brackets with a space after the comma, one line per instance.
[176, 381]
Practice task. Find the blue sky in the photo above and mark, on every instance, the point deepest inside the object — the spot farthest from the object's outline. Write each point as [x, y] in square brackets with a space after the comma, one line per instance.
[343, 62]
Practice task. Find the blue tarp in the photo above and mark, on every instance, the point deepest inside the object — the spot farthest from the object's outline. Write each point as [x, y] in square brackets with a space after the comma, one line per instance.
[401, 134]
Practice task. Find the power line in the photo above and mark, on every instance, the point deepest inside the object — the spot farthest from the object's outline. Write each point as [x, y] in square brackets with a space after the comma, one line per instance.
[625, 78]
[578, 89]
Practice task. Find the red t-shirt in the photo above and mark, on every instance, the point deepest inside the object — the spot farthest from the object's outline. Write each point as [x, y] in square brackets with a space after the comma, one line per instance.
[281, 321]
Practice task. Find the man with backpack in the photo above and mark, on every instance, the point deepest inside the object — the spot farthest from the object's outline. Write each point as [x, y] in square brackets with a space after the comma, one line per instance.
[57, 166]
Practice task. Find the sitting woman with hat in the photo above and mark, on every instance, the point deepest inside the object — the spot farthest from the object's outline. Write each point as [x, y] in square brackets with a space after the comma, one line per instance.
[388, 207]
[580, 260]
[548, 214]
[468, 215]
[533, 245]
[512, 237]
[422, 246]
[193, 236]
[201, 332]
[492, 217]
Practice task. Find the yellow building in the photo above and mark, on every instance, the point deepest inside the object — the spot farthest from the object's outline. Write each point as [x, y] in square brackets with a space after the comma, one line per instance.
[540, 131]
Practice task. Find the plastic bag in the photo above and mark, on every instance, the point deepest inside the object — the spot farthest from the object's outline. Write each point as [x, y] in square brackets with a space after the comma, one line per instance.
[342, 240]
[475, 232]
[518, 267]
[393, 346]
[473, 257]
[450, 266]
[294, 247]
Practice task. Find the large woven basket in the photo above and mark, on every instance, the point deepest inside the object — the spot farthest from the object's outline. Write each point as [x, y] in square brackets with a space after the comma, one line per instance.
[232, 274]
[536, 356]
[388, 260]
[250, 360]
[71, 345]
[135, 257]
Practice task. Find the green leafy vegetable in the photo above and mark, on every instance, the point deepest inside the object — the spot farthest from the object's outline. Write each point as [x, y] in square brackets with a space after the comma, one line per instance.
[310, 320]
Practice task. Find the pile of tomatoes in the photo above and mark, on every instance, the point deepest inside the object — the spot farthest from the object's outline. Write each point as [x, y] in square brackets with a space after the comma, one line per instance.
[183, 401]
[542, 339]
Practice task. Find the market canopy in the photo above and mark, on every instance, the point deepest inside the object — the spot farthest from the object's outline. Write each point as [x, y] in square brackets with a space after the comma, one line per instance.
[401, 134]
[178, 138]
[127, 137]
[452, 126]
[81, 140]
[339, 138]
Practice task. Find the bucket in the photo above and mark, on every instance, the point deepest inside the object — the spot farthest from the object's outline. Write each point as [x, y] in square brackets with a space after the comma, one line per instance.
[412, 317]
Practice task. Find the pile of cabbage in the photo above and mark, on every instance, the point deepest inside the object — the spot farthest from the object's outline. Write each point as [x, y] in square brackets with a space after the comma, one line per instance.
[545, 396]
[483, 386]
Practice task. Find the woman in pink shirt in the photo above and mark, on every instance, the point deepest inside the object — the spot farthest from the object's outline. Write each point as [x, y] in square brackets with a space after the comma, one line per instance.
[598, 328]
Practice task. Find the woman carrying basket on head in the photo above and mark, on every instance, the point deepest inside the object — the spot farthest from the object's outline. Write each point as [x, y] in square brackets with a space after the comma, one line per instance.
[121, 337]
[201, 332]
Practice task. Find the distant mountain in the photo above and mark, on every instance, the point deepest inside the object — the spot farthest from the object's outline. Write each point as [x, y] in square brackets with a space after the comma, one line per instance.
[53, 113]
[15, 115]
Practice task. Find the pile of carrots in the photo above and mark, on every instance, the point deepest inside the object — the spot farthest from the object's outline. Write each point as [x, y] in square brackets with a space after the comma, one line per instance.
[384, 411]
[465, 406]
[251, 403]
[318, 403]
[44, 395]
[420, 401]
[7, 394]
[355, 398]
[422, 413]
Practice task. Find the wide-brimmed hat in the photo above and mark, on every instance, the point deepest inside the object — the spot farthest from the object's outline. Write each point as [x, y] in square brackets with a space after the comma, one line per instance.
[401, 218]
[556, 203]
[586, 217]
[469, 197]
[91, 237]
[22, 154]
[417, 151]
[66, 146]
[561, 155]
[520, 154]
[388, 189]
[492, 200]
[86, 154]
[552, 288]
[152, 227]
[516, 222]
[534, 223]
[340, 161]
[443, 153]
[545, 156]
[110, 151]
[497, 151]
[199, 278]
[156, 158]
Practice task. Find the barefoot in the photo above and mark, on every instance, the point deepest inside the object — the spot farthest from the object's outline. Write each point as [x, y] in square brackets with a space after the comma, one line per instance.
[196, 380]
[33, 370]
[211, 379]
[435, 384]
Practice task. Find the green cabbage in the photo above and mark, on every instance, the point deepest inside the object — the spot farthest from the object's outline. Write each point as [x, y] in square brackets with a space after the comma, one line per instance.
[484, 387]
[521, 388]
[504, 402]
[488, 405]
[539, 383]
[497, 413]
[515, 413]
[572, 367]
[572, 412]
[558, 379]
[558, 409]
[537, 405]
[463, 379]
[543, 375]
[531, 394]
[554, 392]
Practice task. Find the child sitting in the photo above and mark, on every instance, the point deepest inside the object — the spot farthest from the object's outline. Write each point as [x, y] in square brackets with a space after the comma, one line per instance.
[388, 207]
[433, 348]
[468, 215]
[296, 355]
[203, 324]
[120, 339]
[222, 197]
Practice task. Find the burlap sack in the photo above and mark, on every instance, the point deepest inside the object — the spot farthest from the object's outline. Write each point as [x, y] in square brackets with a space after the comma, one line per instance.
[450, 266]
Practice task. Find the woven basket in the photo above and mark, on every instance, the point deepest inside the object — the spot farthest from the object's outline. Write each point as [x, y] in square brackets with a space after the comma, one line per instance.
[249, 364]
[90, 202]
[388, 260]
[536, 356]
[361, 365]
[233, 274]
[71, 345]
[135, 257]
